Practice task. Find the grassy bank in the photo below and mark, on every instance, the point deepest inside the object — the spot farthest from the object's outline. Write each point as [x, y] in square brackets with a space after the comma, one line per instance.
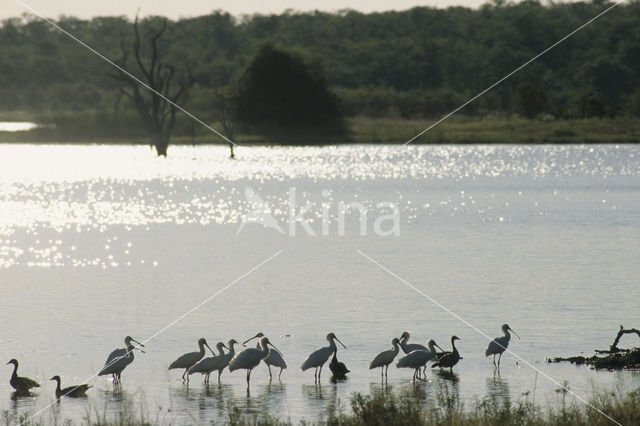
[405, 409]
[126, 129]
[487, 130]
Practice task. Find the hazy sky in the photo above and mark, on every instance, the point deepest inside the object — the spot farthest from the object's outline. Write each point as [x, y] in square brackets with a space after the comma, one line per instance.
[176, 9]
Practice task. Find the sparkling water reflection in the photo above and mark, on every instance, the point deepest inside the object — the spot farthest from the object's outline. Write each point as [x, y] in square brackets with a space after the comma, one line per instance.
[99, 242]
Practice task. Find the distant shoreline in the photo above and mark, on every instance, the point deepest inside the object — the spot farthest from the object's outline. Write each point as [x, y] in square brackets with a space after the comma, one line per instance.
[459, 130]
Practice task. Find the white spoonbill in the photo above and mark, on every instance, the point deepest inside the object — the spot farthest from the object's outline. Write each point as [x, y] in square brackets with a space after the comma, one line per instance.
[227, 357]
[119, 359]
[409, 347]
[274, 358]
[249, 358]
[187, 360]
[207, 365]
[383, 359]
[419, 359]
[320, 356]
[498, 345]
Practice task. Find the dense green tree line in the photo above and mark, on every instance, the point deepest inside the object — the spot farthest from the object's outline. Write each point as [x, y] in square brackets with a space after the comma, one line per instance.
[416, 63]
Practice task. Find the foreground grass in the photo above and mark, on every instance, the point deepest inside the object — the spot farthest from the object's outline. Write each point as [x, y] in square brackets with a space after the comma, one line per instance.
[100, 128]
[404, 410]
[388, 409]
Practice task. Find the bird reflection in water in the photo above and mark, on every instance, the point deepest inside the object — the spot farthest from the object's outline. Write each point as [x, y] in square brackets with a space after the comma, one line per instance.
[215, 396]
[498, 390]
[269, 399]
[313, 392]
[448, 390]
[118, 402]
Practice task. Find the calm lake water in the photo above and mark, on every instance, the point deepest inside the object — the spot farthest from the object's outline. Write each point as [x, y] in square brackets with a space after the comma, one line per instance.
[100, 242]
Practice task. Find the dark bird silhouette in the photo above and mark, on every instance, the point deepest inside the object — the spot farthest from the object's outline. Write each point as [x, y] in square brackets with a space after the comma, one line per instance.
[338, 368]
[21, 384]
[498, 345]
[410, 347]
[449, 359]
[419, 359]
[189, 359]
[275, 358]
[318, 357]
[119, 359]
[70, 391]
[383, 359]
[249, 358]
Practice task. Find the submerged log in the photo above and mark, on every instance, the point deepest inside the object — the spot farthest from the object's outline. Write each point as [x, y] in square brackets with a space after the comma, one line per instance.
[614, 347]
[614, 359]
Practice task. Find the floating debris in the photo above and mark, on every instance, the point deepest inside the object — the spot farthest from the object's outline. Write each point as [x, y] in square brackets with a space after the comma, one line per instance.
[612, 359]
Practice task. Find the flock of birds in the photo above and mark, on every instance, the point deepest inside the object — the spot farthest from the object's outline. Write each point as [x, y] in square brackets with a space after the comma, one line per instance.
[416, 357]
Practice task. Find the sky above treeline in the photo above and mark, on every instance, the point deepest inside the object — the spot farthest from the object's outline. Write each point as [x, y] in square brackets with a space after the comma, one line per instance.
[188, 8]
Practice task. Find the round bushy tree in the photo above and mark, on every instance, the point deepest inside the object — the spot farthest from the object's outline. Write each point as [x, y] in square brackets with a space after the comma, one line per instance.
[285, 98]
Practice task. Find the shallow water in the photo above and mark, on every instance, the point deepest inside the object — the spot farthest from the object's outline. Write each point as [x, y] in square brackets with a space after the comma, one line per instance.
[100, 242]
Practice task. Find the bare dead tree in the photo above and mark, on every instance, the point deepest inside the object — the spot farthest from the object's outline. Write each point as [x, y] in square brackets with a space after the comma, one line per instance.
[227, 114]
[157, 114]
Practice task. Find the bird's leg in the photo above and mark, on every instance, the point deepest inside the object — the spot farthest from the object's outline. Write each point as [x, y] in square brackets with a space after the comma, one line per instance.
[280, 374]
[320, 372]
[248, 376]
[269, 367]
[219, 373]
[494, 361]
[499, 358]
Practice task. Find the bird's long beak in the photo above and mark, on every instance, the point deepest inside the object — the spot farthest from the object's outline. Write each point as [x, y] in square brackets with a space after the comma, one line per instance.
[511, 329]
[341, 343]
[134, 340]
[248, 340]
[138, 349]
[273, 347]
[212, 352]
[436, 345]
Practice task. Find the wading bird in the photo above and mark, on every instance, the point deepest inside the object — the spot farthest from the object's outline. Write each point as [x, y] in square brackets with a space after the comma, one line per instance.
[383, 359]
[70, 391]
[449, 359]
[249, 358]
[320, 356]
[498, 345]
[188, 360]
[409, 347]
[119, 359]
[20, 384]
[338, 369]
[275, 357]
[419, 359]
[227, 357]
[209, 364]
